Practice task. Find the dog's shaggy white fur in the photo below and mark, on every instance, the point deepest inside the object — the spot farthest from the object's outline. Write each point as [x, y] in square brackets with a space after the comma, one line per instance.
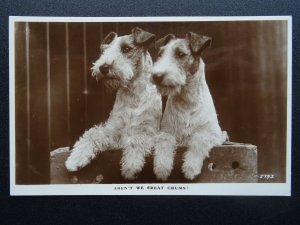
[190, 118]
[124, 65]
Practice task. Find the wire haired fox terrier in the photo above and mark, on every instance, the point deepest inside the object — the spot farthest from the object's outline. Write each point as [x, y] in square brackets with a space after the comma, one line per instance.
[190, 118]
[124, 65]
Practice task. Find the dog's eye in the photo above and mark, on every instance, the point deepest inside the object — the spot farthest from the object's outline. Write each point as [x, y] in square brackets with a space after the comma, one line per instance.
[126, 48]
[180, 54]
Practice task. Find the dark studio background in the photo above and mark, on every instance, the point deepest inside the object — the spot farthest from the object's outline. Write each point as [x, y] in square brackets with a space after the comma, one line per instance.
[156, 209]
[57, 99]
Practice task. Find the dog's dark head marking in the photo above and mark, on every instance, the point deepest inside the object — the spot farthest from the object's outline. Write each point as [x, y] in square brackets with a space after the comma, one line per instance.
[109, 38]
[165, 40]
[198, 43]
[143, 38]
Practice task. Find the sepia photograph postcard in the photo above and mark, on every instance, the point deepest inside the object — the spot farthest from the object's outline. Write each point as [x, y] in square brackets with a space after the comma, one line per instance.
[150, 105]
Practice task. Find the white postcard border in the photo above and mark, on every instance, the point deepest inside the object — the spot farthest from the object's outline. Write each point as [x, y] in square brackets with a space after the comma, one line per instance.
[240, 189]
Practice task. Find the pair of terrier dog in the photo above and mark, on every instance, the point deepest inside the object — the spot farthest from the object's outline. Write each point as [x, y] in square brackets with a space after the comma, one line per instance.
[136, 124]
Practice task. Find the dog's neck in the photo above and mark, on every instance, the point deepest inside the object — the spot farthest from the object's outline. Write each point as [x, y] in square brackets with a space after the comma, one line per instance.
[135, 93]
[194, 92]
[138, 86]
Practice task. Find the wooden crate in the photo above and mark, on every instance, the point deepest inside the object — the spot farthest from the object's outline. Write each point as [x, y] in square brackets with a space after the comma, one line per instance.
[228, 163]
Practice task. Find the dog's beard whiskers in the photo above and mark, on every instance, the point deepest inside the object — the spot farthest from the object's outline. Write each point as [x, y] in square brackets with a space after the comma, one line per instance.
[96, 74]
[165, 91]
[95, 68]
[112, 84]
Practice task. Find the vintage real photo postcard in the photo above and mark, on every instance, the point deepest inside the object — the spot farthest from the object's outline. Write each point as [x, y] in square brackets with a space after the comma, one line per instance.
[150, 105]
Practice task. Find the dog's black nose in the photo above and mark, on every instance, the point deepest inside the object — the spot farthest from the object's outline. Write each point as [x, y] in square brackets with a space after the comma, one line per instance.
[157, 78]
[104, 69]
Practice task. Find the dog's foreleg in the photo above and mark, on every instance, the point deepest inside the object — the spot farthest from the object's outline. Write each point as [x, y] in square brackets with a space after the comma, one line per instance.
[163, 158]
[137, 143]
[97, 139]
[199, 147]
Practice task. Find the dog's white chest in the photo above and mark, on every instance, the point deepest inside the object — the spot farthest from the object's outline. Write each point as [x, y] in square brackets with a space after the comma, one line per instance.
[179, 124]
[138, 111]
[182, 123]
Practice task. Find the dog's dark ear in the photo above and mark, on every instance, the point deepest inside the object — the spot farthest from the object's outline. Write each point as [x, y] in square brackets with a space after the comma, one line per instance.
[163, 41]
[143, 38]
[109, 38]
[198, 43]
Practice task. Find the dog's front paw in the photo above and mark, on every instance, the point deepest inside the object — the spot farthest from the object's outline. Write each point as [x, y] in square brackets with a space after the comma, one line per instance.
[192, 166]
[163, 168]
[129, 174]
[79, 158]
[190, 172]
[131, 170]
[131, 164]
[162, 173]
